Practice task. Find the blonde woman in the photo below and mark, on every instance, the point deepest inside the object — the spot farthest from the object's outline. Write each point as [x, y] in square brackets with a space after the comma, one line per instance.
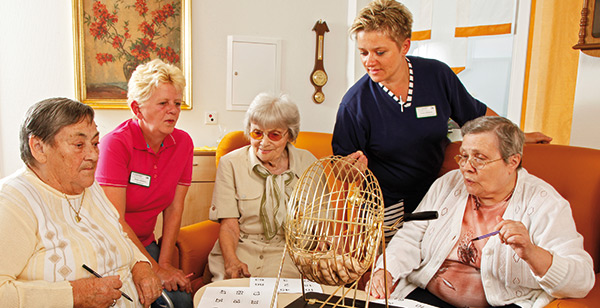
[397, 113]
[145, 168]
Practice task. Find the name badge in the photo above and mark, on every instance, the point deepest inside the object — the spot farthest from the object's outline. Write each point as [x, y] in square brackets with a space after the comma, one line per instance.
[426, 112]
[139, 179]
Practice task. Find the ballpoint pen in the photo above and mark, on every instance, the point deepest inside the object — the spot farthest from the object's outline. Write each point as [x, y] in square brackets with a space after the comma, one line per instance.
[87, 268]
[486, 235]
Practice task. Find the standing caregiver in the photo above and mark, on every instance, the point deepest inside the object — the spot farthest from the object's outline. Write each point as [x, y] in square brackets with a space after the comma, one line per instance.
[145, 168]
[397, 113]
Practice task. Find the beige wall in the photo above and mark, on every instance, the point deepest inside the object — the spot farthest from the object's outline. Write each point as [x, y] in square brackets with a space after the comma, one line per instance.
[36, 62]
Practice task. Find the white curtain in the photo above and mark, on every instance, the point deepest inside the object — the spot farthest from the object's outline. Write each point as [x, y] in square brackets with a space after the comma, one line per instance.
[484, 17]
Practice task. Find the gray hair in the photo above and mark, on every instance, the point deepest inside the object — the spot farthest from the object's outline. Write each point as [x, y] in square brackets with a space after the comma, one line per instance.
[147, 77]
[510, 137]
[273, 111]
[46, 118]
[387, 16]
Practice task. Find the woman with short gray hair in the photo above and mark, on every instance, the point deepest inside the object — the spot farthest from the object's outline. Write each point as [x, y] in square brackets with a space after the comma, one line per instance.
[252, 187]
[504, 238]
[55, 220]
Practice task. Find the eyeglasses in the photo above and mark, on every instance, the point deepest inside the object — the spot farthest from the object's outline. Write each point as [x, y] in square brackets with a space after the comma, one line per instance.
[272, 135]
[475, 162]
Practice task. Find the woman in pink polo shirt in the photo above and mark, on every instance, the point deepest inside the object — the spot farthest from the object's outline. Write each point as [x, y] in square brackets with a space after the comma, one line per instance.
[145, 168]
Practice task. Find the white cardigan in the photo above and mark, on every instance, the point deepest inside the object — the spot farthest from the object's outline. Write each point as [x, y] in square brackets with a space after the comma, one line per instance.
[418, 249]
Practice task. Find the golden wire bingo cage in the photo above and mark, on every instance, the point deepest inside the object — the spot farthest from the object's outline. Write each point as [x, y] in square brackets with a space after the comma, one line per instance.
[334, 229]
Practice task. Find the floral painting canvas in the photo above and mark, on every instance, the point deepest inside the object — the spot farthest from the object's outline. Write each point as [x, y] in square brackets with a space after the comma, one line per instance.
[115, 36]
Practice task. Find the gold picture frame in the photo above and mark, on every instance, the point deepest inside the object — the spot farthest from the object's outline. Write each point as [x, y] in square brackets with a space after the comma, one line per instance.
[112, 37]
[589, 28]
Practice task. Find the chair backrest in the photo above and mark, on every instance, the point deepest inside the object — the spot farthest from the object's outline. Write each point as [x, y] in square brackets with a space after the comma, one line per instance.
[574, 172]
[319, 144]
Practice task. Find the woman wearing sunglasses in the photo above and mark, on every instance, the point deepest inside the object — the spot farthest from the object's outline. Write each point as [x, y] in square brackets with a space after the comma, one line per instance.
[251, 191]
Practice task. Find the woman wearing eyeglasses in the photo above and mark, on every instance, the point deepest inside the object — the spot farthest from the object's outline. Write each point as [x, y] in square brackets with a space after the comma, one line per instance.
[251, 191]
[504, 237]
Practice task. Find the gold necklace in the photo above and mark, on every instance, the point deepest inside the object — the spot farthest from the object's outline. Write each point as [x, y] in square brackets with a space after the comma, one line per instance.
[77, 217]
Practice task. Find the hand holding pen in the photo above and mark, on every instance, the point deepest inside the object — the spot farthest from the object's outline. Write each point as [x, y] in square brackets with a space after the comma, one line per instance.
[87, 268]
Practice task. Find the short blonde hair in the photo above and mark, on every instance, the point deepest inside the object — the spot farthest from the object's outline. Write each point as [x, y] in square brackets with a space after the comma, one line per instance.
[387, 16]
[146, 78]
[273, 111]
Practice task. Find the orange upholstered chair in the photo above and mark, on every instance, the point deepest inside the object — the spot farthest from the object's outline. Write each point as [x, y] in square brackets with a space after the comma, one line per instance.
[195, 241]
[575, 174]
[319, 144]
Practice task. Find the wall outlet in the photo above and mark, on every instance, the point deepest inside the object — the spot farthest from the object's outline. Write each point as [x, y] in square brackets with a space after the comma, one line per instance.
[210, 117]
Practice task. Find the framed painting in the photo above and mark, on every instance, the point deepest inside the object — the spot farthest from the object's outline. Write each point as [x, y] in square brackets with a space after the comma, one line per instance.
[112, 37]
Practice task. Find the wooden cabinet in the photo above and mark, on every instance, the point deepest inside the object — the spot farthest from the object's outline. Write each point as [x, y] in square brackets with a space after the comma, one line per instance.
[199, 195]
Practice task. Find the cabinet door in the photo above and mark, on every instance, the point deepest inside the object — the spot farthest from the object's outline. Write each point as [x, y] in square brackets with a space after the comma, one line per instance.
[199, 195]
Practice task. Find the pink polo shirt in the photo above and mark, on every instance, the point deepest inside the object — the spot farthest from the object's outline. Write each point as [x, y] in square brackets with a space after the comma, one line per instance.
[124, 152]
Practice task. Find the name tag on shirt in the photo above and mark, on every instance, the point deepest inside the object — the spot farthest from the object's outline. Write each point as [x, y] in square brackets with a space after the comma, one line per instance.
[139, 179]
[426, 112]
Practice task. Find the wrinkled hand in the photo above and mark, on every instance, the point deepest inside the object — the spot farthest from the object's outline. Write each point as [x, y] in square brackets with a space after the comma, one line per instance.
[359, 161]
[537, 137]
[146, 282]
[378, 284]
[96, 292]
[514, 234]
[173, 278]
[236, 269]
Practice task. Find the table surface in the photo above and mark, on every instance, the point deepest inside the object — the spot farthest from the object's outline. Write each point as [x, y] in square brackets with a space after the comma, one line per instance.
[283, 298]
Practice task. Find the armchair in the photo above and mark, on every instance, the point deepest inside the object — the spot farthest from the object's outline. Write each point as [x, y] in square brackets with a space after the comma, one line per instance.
[575, 173]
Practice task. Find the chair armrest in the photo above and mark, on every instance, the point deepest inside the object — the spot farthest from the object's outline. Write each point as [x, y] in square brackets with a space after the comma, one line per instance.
[195, 243]
[591, 300]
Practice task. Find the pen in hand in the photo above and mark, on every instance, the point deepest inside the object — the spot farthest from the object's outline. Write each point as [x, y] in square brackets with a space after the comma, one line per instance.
[87, 268]
[486, 235]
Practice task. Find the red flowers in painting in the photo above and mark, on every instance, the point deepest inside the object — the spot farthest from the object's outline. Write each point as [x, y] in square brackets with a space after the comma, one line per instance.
[168, 54]
[104, 57]
[141, 7]
[134, 43]
[147, 29]
[159, 16]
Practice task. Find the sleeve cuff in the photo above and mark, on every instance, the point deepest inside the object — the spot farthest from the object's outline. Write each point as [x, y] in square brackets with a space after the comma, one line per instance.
[556, 273]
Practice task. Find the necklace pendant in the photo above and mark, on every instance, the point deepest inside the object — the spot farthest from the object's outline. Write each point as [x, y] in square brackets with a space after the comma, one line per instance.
[77, 218]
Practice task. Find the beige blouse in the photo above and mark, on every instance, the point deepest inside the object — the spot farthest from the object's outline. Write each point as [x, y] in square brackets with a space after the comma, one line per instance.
[45, 248]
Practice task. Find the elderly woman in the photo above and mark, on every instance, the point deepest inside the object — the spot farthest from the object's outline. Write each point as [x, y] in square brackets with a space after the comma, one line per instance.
[145, 168]
[251, 191]
[54, 218]
[536, 255]
[397, 113]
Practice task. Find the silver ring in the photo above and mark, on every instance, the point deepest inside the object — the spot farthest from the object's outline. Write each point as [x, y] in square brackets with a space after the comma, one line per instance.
[114, 303]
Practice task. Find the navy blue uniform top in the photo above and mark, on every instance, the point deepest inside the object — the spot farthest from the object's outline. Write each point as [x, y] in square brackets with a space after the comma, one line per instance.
[405, 152]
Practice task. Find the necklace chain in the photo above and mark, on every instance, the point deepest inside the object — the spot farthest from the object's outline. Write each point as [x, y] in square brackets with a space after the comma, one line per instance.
[77, 217]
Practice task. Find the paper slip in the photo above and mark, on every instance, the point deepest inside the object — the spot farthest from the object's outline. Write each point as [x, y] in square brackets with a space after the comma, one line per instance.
[286, 285]
[227, 297]
[404, 303]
